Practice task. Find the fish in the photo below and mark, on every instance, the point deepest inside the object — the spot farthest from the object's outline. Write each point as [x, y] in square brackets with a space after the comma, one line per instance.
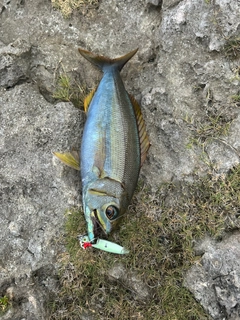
[113, 148]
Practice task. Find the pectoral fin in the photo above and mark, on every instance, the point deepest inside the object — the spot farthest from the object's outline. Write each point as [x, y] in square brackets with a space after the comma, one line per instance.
[98, 172]
[88, 99]
[143, 136]
[71, 159]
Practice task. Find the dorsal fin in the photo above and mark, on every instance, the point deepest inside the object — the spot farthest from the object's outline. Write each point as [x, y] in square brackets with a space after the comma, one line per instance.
[88, 99]
[143, 136]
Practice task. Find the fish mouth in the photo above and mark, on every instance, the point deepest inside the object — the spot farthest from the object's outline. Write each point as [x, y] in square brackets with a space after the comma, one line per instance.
[98, 229]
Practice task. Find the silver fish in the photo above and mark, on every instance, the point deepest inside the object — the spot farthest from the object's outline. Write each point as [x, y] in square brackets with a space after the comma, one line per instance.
[114, 146]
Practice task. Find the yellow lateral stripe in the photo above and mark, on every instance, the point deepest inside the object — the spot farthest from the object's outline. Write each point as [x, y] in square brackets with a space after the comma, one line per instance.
[68, 158]
[97, 192]
[103, 224]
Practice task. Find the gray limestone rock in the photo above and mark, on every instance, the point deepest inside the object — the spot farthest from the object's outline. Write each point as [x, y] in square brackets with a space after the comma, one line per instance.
[131, 280]
[35, 190]
[180, 72]
[14, 63]
[154, 2]
[215, 282]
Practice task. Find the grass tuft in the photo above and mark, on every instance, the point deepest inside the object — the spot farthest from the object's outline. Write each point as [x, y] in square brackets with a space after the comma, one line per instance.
[236, 98]
[215, 125]
[160, 230]
[67, 7]
[4, 304]
[232, 48]
[68, 89]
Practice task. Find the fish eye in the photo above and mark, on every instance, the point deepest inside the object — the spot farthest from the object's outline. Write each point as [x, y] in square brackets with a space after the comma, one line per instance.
[112, 212]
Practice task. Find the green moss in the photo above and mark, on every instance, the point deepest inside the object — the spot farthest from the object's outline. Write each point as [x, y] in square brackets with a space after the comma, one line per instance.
[4, 304]
[159, 230]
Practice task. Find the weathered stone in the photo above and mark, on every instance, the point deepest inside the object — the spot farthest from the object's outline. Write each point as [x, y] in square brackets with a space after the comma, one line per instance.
[35, 190]
[131, 280]
[216, 282]
[180, 72]
[14, 63]
[154, 2]
[222, 155]
[170, 3]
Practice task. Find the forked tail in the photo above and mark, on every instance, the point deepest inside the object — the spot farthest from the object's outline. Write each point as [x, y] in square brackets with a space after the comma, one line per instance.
[105, 62]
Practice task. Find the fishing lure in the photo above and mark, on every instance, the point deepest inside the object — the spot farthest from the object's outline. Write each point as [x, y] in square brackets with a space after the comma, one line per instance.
[102, 245]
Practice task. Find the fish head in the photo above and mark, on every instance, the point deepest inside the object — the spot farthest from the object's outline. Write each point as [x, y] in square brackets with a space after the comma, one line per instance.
[102, 209]
[101, 219]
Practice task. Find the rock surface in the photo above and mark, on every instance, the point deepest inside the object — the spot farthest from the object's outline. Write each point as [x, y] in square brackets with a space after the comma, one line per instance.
[180, 74]
[215, 282]
[130, 279]
[35, 191]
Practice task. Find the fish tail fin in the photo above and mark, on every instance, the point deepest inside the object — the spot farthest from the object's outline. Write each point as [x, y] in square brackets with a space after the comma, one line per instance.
[104, 62]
